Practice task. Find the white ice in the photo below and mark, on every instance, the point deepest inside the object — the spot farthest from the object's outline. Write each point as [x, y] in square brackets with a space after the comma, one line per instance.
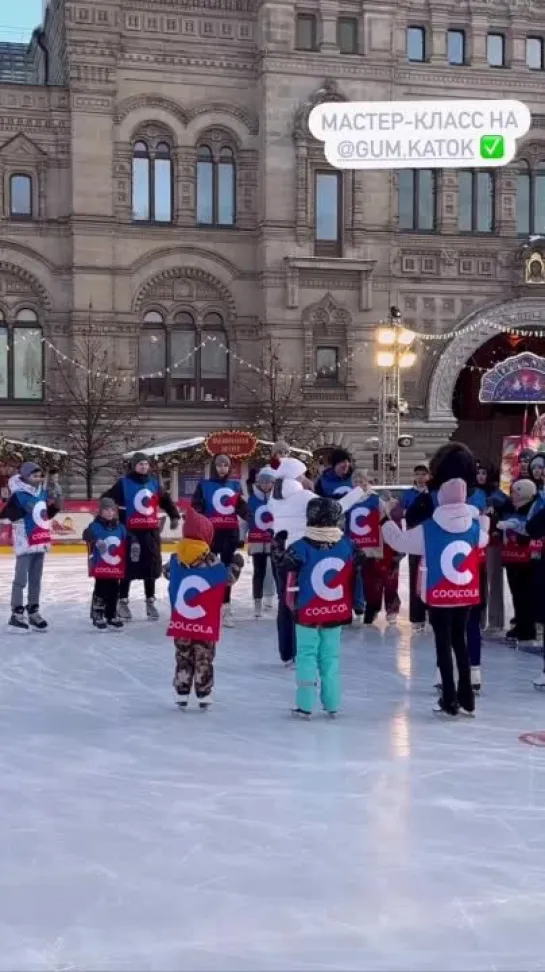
[136, 836]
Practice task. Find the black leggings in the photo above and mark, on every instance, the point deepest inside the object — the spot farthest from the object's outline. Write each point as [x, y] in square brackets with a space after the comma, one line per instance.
[149, 589]
[260, 562]
[450, 629]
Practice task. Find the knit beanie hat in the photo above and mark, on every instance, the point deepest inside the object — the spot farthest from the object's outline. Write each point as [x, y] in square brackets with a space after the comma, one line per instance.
[197, 527]
[324, 512]
[453, 461]
[138, 457]
[265, 475]
[28, 469]
[107, 503]
[340, 455]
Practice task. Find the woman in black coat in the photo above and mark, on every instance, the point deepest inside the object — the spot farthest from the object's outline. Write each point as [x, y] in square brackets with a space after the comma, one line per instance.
[139, 496]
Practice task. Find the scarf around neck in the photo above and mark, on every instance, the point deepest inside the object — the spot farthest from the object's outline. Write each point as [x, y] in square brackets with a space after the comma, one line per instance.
[323, 534]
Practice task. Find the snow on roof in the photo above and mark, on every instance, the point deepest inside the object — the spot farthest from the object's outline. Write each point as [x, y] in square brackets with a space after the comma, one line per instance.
[34, 445]
[163, 448]
[301, 452]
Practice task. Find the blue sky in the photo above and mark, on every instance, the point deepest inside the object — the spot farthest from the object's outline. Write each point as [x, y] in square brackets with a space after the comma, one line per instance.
[18, 18]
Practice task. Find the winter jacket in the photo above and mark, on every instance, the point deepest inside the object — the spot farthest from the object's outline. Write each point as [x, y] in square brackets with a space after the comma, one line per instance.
[535, 529]
[290, 561]
[258, 501]
[288, 505]
[329, 484]
[145, 543]
[410, 496]
[20, 508]
[455, 518]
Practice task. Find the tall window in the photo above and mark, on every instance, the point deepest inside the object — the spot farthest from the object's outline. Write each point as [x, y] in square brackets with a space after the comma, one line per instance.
[151, 182]
[347, 35]
[216, 187]
[475, 201]
[456, 46]
[20, 196]
[182, 364]
[417, 207]
[306, 33]
[531, 199]
[416, 43]
[495, 50]
[327, 364]
[21, 358]
[328, 206]
[534, 53]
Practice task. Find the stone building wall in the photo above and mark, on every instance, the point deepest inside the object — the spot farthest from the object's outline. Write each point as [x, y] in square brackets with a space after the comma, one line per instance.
[228, 75]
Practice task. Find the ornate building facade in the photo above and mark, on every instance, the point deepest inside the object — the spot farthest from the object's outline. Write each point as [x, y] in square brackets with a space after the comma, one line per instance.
[158, 178]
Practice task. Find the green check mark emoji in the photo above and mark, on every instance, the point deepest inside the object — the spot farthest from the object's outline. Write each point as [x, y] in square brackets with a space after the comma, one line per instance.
[492, 147]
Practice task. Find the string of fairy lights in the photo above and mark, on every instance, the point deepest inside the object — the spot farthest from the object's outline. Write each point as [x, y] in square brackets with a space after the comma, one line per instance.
[211, 339]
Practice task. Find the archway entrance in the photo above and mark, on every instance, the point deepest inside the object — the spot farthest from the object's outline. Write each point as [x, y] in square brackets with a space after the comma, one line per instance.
[483, 427]
[453, 399]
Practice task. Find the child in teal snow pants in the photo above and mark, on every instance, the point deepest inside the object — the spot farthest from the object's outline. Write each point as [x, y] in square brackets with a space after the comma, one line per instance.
[318, 655]
[321, 565]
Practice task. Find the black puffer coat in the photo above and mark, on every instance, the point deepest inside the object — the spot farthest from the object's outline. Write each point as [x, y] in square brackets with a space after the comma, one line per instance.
[149, 563]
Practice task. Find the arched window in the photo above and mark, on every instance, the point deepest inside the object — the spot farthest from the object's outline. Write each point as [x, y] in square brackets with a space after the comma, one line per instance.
[182, 364]
[20, 196]
[151, 182]
[21, 357]
[531, 199]
[216, 191]
[417, 199]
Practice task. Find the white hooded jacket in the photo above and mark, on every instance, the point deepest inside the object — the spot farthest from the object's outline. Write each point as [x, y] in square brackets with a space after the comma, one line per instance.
[454, 518]
[290, 510]
[20, 541]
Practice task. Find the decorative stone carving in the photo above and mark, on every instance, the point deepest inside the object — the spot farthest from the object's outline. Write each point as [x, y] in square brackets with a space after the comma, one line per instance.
[22, 149]
[201, 286]
[15, 280]
[327, 92]
[533, 261]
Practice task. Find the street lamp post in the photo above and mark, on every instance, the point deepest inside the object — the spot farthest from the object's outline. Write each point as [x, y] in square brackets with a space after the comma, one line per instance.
[394, 355]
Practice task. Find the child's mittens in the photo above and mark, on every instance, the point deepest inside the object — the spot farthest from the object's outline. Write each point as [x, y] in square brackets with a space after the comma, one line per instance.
[166, 571]
[101, 546]
[235, 568]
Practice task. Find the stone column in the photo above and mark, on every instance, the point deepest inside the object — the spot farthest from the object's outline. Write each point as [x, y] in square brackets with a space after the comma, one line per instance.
[329, 11]
[447, 187]
[302, 228]
[185, 186]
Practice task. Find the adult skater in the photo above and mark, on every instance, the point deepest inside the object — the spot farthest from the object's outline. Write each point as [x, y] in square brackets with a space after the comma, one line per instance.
[139, 497]
[336, 480]
[448, 543]
[220, 499]
[535, 529]
[417, 609]
[517, 557]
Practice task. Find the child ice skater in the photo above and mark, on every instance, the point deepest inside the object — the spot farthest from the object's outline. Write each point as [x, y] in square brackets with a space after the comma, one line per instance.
[323, 563]
[517, 557]
[448, 544]
[363, 529]
[197, 583]
[260, 535]
[106, 540]
[30, 508]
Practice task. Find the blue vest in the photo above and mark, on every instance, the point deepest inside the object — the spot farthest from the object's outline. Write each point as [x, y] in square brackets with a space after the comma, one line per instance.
[325, 583]
[334, 486]
[141, 503]
[111, 562]
[196, 597]
[261, 520]
[452, 565]
[479, 499]
[220, 502]
[410, 495]
[363, 522]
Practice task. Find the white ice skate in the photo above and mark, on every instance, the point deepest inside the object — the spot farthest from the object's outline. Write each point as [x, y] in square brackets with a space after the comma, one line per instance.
[438, 681]
[419, 627]
[268, 603]
[124, 611]
[227, 616]
[539, 682]
[258, 609]
[391, 619]
[476, 678]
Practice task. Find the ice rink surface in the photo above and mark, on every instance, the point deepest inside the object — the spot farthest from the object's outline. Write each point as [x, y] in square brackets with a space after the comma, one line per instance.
[135, 836]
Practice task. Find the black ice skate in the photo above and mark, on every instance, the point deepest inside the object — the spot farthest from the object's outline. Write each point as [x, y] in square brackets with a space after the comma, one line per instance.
[182, 703]
[151, 611]
[440, 709]
[301, 714]
[115, 623]
[99, 621]
[17, 623]
[203, 706]
[35, 620]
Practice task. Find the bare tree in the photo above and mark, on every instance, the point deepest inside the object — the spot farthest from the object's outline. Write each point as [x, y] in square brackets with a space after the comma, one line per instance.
[276, 405]
[91, 413]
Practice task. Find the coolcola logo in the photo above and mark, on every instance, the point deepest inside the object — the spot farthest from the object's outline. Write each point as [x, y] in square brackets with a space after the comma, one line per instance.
[39, 514]
[142, 502]
[458, 548]
[317, 612]
[193, 613]
[317, 579]
[461, 595]
[263, 518]
[222, 500]
[357, 528]
[109, 557]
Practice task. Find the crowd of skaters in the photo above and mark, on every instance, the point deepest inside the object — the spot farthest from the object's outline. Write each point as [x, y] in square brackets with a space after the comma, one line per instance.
[330, 550]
